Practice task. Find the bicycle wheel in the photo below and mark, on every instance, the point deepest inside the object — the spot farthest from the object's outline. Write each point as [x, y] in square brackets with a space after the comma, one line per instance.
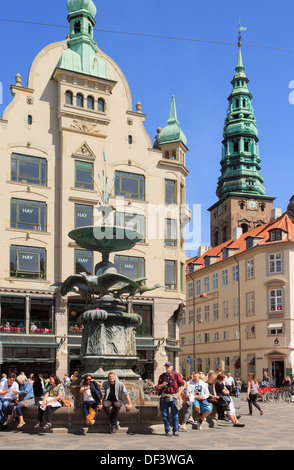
[286, 395]
[270, 397]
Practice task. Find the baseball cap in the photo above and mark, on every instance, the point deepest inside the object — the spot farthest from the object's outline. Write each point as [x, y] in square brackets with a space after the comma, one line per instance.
[168, 364]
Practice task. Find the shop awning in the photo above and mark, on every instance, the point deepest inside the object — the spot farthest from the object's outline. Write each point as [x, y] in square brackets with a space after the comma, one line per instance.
[249, 327]
[173, 348]
[250, 357]
[235, 358]
[275, 325]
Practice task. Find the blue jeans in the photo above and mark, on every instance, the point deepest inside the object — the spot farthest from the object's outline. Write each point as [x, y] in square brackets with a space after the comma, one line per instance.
[238, 390]
[4, 404]
[165, 406]
[86, 407]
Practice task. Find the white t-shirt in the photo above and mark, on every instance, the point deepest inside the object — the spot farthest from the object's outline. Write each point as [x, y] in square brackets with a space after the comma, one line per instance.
[87, 396]
[198, 389]
[229, 381]
[9, 390]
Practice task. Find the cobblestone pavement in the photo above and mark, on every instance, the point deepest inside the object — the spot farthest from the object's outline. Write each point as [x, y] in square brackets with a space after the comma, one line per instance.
[272, 431]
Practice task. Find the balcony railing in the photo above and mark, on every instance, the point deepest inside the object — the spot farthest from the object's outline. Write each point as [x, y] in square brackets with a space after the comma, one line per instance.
[18, 327]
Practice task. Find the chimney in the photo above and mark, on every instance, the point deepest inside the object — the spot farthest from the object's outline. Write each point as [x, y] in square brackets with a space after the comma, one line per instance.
[202, 249]
[275, 214]
[237, 233]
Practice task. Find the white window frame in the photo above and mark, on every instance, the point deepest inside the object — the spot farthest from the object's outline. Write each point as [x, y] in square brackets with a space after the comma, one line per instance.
[225, 310]
[250, 303]
[250, 269]
[276, 300]
[274, 263]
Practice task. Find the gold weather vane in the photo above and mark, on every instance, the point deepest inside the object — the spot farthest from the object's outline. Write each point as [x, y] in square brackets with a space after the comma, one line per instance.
[240, 28]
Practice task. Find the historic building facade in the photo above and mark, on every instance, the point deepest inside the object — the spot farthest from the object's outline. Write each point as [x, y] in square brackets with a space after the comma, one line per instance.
[240, 305]
[76, 108]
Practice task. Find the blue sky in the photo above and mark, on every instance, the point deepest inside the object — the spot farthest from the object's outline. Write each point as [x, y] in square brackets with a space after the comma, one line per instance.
[197, 73]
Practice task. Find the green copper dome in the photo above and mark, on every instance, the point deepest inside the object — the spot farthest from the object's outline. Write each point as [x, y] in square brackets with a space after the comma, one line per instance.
[77, 5]
[172, 132]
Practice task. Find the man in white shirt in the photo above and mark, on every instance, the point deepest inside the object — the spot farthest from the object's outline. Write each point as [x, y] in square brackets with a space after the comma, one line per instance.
[229, 383]
[8, 392]
[201, 393]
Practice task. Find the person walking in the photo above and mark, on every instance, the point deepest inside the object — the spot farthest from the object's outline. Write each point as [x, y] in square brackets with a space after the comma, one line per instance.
[252, 394]
[92, 398]
[238, 386]
[170, 386]
[114, 392]
[26, 398]
[52, 399]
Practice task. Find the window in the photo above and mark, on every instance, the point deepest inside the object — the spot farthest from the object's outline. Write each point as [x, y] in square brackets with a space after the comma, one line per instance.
[207, 260]
[215, 281]
[183, 340]
[275, 263]
[225, 335]
[68, 97]
[170, 232]
[190, 289]
[25, 169]
[133, 221]
[246, 146]
[80, 100]
[236, 333]
[249, 242]
[198, 315]
[83, 261]
[28, 215]
[225, 309]
[275, 300]
[250, 269]
[236, 147]
[90, 102]
[130, 139]
[225, 253]
[170, 192]
[30, 119]
[198, 287]
[27, 262]
[191, 317]
[130, 185]
[184, 319]
[170, 274]
[275, 329]
[250, 331]
[250, 303]
[206, 337]
[225, 277]
[84, 175]
[235, 273]
[198, 339]
[216, 336]
[77, 27]
[206, 313]
[215, 312]
[235, 308]
[206, 284]
[83, 215]
[101, 105]
[275, 235]
[146, 313]
[130, 266]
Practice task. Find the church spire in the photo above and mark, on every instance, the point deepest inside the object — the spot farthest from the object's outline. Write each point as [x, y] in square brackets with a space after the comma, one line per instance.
[240, 169]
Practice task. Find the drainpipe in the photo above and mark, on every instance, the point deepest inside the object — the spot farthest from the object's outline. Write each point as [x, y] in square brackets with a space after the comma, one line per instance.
[194, 324]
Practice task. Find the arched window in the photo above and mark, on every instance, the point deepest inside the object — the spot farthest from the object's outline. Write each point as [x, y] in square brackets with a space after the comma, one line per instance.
[68, 97]
[90, 29]
[30, 120]
[244, 228]
[77, 27]
[80, 100]
[90, 102]
[130, 139]
[101, 105]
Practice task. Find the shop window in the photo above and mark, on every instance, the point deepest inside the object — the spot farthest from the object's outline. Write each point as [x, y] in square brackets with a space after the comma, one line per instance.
[28, 215]
[27, 262]
[133, 221]
[146, 313]
[83, 262]
[130, 266]
[83, 215]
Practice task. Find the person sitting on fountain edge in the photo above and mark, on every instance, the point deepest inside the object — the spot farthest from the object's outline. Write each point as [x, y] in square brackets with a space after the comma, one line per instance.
[170, 386]
[114, 392]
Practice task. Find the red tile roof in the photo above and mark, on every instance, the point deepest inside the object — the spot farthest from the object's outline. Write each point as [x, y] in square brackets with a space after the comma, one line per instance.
[284, 222]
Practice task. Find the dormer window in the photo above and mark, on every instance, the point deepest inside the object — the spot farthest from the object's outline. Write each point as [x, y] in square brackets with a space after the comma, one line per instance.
[207, 260]
[275, 235]
[225, 253]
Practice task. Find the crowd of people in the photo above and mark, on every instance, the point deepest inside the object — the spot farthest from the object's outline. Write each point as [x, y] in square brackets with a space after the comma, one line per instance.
[202, 393]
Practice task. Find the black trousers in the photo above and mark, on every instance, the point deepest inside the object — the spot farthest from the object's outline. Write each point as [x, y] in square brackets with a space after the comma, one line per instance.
[49, 411]
[112, 409]
[253, 401]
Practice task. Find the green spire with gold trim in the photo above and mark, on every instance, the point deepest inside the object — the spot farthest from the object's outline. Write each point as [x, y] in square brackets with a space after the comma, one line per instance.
[240, 163]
